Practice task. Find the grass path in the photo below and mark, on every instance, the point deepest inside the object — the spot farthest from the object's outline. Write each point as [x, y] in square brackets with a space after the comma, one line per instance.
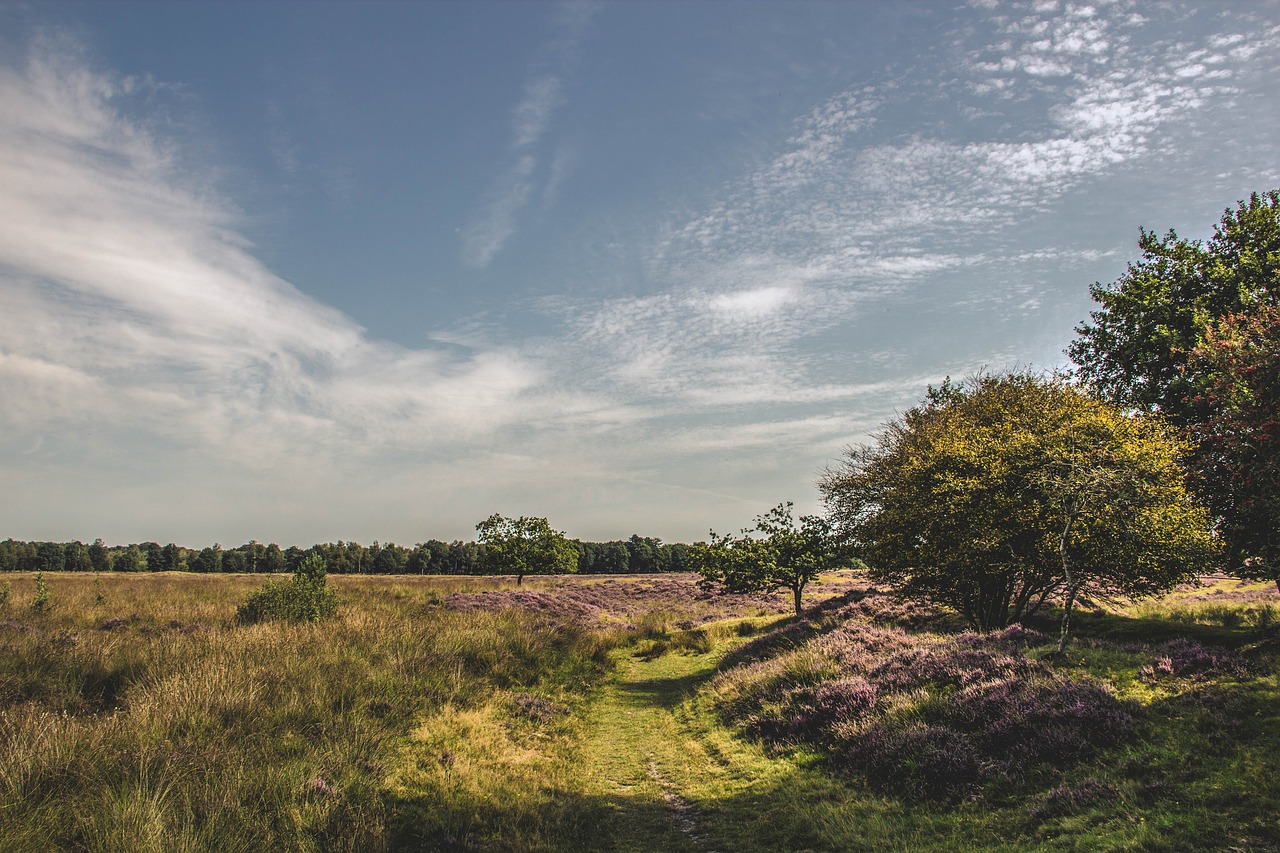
[674, 779]
[637, 752]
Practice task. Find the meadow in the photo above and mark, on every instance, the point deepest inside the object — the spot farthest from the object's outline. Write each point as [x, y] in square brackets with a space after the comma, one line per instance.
[628, 713]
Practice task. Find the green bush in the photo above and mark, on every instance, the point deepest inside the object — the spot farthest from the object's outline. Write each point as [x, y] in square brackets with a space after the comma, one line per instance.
[5, 592]
[304, 598]
[40, 602]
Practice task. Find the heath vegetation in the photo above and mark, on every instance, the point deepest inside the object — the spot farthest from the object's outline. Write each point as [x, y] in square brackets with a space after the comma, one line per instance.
[936, 693]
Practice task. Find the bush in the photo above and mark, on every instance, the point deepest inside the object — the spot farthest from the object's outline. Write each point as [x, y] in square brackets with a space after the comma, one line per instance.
[304, 598]
[40, 602]
[5, 591]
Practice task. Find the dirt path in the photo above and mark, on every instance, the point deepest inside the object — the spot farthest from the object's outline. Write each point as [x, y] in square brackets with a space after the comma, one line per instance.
[638, 755]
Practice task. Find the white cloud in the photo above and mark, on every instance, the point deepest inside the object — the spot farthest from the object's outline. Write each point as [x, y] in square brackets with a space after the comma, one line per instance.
[543, 93]
[128, 296]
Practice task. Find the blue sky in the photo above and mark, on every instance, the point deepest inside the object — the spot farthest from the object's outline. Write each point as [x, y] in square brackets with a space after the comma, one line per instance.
[306, 271]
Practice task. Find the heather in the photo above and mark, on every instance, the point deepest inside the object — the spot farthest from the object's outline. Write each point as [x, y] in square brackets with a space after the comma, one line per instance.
[920, 714]
[611, 601]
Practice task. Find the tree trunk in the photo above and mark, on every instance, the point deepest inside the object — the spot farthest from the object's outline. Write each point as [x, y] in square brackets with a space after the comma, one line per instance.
[1072, 588]
[519, 579]
[796, 591]
[1065, 636]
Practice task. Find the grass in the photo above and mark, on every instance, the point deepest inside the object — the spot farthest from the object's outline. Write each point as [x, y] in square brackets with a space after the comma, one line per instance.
[586, 714]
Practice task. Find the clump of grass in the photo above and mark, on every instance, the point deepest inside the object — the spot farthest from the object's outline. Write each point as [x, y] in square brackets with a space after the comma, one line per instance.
[5, 592]
[303, 598]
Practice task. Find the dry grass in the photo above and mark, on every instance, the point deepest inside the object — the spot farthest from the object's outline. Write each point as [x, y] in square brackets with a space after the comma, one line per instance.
[152, 722]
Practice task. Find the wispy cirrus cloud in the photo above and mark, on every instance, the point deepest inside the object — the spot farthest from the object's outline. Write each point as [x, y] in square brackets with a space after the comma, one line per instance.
[890, 188]
[131, 300]
[532, 171]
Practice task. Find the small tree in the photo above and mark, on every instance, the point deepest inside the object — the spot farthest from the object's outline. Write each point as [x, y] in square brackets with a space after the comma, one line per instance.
[525, 546]
[777, 553]
[997, 493]
[40, 602]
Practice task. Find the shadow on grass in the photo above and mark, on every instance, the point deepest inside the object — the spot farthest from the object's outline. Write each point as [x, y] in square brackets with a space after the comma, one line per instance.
[1152, 630]
[763, 818]
[664, 693]
[564, 820]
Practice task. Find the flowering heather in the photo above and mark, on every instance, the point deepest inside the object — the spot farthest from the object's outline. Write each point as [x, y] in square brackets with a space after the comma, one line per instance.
[859, 609]
[621, 601]
[1184, 657]
[927, 716]
[1240, 592]
[921, 761]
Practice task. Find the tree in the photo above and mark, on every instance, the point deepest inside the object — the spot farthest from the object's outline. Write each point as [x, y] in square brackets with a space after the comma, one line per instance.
[209, 560]
[777, 553]
[1157, 344]
[1238, 365]
[50, 557]
[525, 546]
[169, 559]
[100, 556]
[996, 493]
[130, 559]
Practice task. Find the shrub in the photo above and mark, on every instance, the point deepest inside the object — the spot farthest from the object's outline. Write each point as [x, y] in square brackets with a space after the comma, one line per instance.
[40, 602]
[921, 761]
[536, 709]
[304, 598]
[929, 718]
[5, 591]
[1019, 723]
[817, 711]
[1185, 657]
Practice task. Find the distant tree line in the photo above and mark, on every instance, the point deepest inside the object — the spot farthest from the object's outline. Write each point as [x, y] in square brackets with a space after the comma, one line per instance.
[637, 555]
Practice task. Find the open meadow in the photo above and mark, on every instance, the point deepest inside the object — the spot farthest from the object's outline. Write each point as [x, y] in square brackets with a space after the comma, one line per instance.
[628, 713]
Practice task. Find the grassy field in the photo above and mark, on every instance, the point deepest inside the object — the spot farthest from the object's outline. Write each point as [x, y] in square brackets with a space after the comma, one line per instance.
[627, 714]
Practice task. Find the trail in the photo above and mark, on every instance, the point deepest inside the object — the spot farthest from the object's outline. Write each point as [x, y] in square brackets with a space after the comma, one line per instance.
[638, 755]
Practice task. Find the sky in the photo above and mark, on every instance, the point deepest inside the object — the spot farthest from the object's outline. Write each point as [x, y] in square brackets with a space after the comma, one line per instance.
[308, 271]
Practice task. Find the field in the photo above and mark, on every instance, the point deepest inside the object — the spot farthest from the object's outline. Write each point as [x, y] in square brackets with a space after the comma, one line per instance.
[635, 713]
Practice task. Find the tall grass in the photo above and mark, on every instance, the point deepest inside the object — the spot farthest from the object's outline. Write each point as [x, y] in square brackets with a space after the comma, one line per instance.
[158, 723]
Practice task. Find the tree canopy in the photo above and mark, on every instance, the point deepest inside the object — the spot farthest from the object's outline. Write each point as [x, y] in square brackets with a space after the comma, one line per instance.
[777, 553]
[996, 493]
[525, 546]
[1237, 456]
[1188, 331]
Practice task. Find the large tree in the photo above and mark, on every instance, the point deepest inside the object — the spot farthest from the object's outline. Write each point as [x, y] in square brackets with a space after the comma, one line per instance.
[1164, 338]
[777, 553]
[1238, 442]
[996, 493]
[525, 546]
